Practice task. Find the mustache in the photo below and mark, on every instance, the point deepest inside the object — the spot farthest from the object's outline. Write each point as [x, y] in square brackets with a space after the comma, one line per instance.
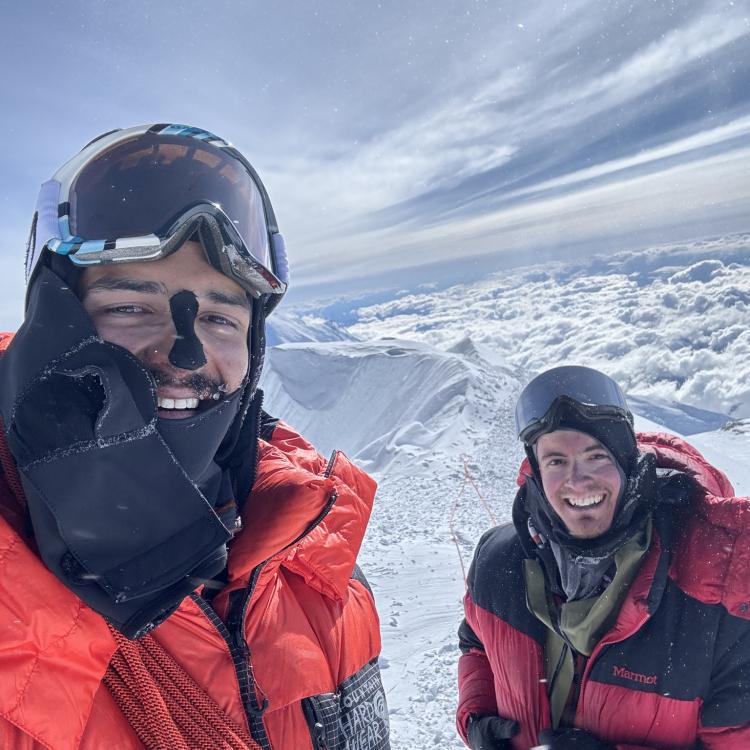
[204, 387]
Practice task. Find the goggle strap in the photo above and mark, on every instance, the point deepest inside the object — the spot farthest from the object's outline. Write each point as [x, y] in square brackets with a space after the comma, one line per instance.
[47, 225]
[556, 413]
[281, 262]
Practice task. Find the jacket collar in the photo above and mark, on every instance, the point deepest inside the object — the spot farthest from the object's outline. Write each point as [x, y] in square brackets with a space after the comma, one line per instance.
[306, 513]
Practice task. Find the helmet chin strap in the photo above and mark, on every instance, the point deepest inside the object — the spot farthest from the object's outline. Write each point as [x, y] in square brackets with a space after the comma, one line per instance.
[187, 352]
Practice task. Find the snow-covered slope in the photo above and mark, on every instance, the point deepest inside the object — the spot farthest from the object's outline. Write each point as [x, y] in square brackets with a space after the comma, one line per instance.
[427, 422]
[390, 405]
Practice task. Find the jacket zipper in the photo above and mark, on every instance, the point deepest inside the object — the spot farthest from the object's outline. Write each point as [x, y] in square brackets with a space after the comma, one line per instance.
[317, 730]
[239, 652]
[599, 649]
[556, 672]
[571, 704]
[233, 631]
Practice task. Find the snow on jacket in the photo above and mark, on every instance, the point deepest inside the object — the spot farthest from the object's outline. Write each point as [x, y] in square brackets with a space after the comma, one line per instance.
[294, 593]
[674, 670]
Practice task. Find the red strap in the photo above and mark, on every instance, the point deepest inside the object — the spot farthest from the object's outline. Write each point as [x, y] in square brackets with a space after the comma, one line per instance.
[164, 705]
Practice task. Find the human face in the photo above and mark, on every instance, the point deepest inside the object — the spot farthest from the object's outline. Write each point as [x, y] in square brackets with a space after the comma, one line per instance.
[129, 305]
[581, 481]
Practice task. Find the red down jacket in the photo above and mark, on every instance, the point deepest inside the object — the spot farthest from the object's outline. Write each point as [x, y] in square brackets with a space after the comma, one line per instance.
[674, 670]
[311, 627]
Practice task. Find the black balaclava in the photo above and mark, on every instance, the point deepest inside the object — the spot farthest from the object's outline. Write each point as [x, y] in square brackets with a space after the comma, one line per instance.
[123, 504]
[638, 498]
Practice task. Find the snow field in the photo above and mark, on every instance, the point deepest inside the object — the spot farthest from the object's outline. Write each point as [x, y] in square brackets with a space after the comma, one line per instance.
[446, 433]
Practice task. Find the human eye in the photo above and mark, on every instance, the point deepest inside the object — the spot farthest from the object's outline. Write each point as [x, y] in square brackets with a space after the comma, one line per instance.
[220, 320]
[125, 309]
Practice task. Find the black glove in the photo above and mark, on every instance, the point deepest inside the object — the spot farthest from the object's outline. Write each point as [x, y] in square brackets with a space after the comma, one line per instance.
[490, 732]
[572, 739]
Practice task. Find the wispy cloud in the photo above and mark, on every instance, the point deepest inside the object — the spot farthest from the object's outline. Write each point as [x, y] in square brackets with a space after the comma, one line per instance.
[530, 159]
[396, 134]
[437, 149]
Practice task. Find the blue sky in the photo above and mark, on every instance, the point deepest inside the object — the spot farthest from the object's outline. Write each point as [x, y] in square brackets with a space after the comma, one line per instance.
[397, 137]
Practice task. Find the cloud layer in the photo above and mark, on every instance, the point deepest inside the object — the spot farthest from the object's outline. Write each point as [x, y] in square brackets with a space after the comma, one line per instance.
[669, 324]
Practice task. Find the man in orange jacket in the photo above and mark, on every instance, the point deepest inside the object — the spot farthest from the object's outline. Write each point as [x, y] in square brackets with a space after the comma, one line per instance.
[613, 613]
[177, 569]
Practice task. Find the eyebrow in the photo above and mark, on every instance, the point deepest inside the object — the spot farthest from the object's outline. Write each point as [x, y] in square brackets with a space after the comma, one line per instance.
[223, 298]
[112, 283]
[558, 454]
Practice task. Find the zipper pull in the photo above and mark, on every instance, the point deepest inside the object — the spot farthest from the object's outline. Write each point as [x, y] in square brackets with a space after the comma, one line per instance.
[320, 736]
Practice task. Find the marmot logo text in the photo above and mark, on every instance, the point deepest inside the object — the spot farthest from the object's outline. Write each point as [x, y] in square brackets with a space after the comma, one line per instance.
[626, 674]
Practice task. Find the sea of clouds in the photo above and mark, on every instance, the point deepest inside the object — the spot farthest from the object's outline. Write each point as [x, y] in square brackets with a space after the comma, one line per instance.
[670, 324]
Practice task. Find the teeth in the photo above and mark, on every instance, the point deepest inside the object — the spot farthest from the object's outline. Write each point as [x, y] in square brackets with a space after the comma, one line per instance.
[178, 403]
[584, 502]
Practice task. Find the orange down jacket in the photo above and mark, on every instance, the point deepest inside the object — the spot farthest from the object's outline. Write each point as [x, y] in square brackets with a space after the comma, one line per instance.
[311, 627]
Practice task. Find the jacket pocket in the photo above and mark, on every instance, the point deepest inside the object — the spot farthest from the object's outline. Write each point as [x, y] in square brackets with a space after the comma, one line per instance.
[354, 718]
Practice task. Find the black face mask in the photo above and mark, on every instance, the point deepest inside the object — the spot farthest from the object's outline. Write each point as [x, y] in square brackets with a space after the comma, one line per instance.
[122, 503]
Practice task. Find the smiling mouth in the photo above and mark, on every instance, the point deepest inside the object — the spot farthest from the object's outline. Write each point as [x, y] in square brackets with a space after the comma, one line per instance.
[178, 404]
[177, 407]
[586, 501]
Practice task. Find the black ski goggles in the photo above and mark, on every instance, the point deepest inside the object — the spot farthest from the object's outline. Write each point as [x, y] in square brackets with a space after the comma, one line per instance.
[589, 393]
[137, 194]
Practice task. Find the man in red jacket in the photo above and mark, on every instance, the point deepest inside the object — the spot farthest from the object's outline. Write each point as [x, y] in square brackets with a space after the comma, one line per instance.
[177, 569]
[615, 611]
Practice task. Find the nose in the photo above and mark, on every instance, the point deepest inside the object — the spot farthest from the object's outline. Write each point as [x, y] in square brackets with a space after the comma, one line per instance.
[578, 472]
[187, 350]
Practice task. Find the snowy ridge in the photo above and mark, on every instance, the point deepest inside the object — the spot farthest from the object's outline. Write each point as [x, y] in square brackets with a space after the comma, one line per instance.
[418, 418]
[390, 405]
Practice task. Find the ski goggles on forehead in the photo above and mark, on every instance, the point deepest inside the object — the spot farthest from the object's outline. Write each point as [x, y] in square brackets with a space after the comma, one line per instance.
[590, 393]
[138, 194]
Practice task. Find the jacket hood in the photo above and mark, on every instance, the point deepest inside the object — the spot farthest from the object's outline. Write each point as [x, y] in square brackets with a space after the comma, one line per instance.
[714, 532]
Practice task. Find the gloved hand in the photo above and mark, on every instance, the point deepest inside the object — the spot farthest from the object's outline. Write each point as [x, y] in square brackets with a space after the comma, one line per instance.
[490, 732]
[572, 739]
